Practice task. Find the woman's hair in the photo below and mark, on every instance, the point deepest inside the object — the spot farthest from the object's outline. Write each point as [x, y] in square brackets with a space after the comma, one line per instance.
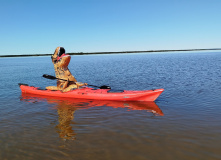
[61, 51]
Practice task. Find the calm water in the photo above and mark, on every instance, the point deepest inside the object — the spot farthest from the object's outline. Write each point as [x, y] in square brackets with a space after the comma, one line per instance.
[184, 123]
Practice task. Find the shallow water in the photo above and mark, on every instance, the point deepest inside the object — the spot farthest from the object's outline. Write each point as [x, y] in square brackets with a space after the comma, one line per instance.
[183, 123]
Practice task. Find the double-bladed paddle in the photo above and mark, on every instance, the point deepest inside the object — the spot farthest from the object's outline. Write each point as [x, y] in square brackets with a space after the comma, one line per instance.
[53, 78]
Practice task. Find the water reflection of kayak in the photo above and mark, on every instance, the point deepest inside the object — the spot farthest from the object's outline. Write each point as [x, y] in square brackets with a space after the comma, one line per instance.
[66, 108]
[84, 103]
[97, 94]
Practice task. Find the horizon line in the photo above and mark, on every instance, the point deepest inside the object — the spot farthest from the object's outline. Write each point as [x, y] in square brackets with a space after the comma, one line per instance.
[117, 52]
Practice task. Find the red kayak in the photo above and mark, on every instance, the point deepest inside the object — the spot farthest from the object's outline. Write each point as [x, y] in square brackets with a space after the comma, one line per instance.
[96, 94]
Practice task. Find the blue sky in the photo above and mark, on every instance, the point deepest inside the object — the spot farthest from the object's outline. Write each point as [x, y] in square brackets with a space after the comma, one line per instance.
[39, 26]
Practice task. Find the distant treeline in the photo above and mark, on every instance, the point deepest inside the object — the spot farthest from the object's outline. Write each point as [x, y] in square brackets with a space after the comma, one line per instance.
[87, 53]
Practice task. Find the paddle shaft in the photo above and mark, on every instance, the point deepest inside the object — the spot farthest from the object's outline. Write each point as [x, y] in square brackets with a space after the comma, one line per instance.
[53, 78]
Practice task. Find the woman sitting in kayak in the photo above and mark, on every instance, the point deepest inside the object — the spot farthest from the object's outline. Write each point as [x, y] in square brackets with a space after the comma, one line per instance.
[61, 61]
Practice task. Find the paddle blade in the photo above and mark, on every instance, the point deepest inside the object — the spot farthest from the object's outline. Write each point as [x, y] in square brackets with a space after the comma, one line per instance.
[105, 87]
[49, 76]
